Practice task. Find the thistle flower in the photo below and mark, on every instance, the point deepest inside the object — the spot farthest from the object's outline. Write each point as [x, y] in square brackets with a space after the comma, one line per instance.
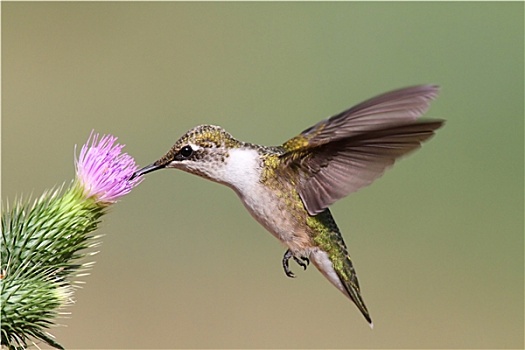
[42, 242]
[104, 171]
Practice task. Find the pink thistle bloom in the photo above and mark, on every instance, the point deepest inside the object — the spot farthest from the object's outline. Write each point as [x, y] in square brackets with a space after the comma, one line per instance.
[103, 171]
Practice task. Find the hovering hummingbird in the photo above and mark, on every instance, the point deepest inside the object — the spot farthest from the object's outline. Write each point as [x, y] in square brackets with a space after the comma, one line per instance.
[289, 188]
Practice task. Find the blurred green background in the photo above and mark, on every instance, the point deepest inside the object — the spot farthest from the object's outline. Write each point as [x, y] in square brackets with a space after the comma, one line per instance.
[437, 242]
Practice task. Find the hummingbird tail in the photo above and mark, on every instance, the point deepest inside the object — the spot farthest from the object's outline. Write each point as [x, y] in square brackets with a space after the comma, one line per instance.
[345, 281]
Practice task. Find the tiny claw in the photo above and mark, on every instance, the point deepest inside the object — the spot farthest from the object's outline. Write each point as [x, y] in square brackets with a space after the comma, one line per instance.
[304, 258]
[300, 262]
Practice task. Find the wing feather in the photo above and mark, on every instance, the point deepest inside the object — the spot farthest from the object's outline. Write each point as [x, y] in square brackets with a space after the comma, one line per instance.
[338, 169]
[350, 150]
[398, 106]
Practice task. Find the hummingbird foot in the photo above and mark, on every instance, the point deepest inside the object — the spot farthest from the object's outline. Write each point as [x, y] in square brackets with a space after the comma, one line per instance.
[302, 261]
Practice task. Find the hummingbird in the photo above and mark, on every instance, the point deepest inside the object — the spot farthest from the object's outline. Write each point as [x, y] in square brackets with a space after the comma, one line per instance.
[288, 188]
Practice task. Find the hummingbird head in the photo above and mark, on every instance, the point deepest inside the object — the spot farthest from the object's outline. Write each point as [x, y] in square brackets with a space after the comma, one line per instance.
[203, 150]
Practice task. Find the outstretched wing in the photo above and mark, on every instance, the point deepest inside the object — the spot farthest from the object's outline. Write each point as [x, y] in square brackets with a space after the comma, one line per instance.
[348, 151]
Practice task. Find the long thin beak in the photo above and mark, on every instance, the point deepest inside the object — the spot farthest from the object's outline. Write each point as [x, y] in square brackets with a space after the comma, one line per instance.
[146, 169]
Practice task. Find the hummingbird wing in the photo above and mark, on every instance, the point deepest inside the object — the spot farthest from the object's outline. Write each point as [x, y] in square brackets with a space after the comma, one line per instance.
[348, 151]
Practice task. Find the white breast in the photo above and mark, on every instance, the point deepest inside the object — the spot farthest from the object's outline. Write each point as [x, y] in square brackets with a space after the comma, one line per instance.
[242, 173]
[242, 170]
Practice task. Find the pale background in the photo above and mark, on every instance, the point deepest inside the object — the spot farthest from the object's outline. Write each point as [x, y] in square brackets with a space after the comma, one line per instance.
[437, 242]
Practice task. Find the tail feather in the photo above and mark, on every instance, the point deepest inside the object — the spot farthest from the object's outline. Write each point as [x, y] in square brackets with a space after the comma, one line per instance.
[345, 281]
[331, 258]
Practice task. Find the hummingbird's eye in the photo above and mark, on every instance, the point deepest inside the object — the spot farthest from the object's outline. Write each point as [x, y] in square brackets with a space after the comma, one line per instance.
[186, 151]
